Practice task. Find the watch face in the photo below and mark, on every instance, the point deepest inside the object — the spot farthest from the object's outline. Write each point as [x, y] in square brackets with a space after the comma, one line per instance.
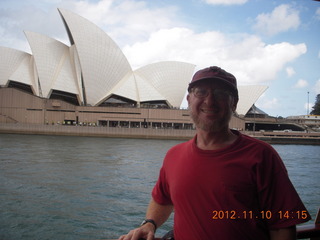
[149, 221]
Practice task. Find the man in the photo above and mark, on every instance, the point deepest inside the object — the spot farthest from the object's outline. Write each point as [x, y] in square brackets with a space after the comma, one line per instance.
[221, 184]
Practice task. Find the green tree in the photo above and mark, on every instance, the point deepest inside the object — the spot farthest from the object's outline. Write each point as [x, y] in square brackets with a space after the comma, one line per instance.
[316, 107]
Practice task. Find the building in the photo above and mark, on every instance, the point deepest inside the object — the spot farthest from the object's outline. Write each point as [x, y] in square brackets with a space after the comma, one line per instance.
[92, 71]
[92, 83]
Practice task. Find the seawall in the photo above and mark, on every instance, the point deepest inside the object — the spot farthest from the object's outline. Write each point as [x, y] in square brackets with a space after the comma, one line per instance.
[91, 131]
[148, 133]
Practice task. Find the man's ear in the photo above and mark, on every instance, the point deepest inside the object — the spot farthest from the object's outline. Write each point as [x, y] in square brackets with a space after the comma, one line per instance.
[234, 107]
[188, 99]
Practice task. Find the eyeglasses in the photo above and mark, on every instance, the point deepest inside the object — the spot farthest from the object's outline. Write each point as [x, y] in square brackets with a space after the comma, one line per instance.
[201, 92]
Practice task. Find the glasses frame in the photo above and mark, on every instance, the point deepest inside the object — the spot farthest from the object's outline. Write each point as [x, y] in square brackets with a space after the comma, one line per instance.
[217, 93]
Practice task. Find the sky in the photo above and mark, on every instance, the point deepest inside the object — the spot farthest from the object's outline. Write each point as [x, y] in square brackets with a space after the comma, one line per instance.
[275, 43]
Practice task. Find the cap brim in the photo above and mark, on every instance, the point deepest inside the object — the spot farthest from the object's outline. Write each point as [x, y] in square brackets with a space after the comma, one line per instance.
[215, 78]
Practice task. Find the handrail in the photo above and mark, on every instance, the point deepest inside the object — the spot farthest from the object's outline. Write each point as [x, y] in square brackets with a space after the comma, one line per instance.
[311, 231]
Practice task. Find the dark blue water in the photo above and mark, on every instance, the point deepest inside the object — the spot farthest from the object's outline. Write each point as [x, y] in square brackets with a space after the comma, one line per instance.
[54, 187]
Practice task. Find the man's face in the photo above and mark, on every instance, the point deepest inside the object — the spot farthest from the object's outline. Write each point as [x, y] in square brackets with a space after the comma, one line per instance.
[211, 106]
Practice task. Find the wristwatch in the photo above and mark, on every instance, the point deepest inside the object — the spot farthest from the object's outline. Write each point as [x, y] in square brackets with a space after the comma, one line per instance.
[149, 221]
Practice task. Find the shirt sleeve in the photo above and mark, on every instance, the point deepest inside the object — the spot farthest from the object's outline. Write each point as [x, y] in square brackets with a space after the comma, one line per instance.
[160, 192]
[280, 203]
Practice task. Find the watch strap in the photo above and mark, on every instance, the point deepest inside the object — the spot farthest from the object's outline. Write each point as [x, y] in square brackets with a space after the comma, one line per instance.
[149, 221]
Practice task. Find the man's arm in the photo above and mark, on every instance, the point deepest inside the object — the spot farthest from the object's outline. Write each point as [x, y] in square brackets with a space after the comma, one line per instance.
[284, 234]
[158, 213]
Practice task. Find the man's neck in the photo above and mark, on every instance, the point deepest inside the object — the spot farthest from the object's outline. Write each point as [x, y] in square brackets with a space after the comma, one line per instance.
[215, 140]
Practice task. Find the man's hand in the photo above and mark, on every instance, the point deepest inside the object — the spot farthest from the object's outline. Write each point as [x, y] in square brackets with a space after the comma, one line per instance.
[146, 232]
[283, 234]
[159, 213]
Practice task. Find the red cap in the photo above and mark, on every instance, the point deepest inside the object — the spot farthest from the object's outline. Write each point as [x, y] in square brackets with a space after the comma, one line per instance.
[215, 74]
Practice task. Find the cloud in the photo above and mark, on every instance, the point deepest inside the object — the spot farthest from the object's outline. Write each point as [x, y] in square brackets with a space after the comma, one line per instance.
[282, 19]
[127, 20]
[177, 44]
[308, 107]
[124, 21]
[317, 87]
[290, 71]
[147, 35]
[250, 59]
[226, 2]
[268, 103]
[318, 13]
[13, 21]
[301, 84]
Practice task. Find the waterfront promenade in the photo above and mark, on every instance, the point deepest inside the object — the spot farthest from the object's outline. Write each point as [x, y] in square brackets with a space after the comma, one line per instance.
[97, 131]
[311, 138]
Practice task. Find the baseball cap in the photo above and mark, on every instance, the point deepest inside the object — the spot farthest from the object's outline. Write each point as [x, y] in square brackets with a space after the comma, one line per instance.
[215, 73]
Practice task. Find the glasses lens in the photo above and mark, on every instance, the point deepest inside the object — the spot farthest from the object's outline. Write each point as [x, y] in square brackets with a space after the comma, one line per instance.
[221, 94]
[200, 92]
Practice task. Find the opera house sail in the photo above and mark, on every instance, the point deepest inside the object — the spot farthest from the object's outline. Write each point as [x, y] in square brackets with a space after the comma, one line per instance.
[91, 81]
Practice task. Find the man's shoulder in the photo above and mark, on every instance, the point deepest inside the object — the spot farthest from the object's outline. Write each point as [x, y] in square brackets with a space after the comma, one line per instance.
[185, 144]
[181, 147]
[252, 140]
[250, 143]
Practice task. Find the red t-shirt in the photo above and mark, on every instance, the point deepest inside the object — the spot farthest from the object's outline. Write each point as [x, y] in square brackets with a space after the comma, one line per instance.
[238, 192]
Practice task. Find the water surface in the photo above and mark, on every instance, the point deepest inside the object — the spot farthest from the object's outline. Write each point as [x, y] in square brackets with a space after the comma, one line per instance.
[57, 187]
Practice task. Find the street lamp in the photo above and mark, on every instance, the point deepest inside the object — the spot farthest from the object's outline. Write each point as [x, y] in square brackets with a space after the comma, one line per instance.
[308, 105]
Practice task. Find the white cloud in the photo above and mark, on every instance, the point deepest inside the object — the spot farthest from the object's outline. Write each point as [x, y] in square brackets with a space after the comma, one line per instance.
[308, 107]
[282, 19]
[27, 17]
[226, 2]
[317, 87]
[290, 71]
[318, 13]
[247, 57]
[127, 20]
[177, 44]
[148, 35]
[301, 84]
[268, 103]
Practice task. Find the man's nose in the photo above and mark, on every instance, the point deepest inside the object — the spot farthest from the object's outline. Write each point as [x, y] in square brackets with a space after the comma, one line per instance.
[210, 99]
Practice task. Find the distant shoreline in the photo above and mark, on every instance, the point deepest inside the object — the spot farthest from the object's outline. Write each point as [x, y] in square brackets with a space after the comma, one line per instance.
[290, 140]
[299, 138]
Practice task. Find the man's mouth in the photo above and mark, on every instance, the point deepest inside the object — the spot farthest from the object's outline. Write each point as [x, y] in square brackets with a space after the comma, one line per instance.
[208, 111]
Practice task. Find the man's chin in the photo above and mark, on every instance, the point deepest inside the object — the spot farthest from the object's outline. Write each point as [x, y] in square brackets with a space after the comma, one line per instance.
[208, 127]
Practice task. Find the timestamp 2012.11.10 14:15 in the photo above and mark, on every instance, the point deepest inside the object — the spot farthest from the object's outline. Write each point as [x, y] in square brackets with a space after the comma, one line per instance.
[232, 214]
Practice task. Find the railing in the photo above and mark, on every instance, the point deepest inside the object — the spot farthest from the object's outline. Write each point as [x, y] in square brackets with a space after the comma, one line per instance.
[309, 231]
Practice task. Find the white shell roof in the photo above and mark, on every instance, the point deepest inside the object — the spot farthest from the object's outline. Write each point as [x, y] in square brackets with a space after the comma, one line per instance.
[248, 95]
[137, 89]
[95, 66]
[146, 91]
[53, 64]
[102, 62]
[106, 70]
[169, 78]
[13, 65]
[165, 81]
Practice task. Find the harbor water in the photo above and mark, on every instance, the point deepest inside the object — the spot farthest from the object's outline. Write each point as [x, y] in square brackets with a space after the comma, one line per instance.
[58, 187]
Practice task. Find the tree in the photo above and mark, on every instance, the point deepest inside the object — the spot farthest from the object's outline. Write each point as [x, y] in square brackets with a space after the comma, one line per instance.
[316, 107]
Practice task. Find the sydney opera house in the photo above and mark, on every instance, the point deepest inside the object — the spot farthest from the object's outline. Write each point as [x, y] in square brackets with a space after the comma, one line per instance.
[91, 82]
